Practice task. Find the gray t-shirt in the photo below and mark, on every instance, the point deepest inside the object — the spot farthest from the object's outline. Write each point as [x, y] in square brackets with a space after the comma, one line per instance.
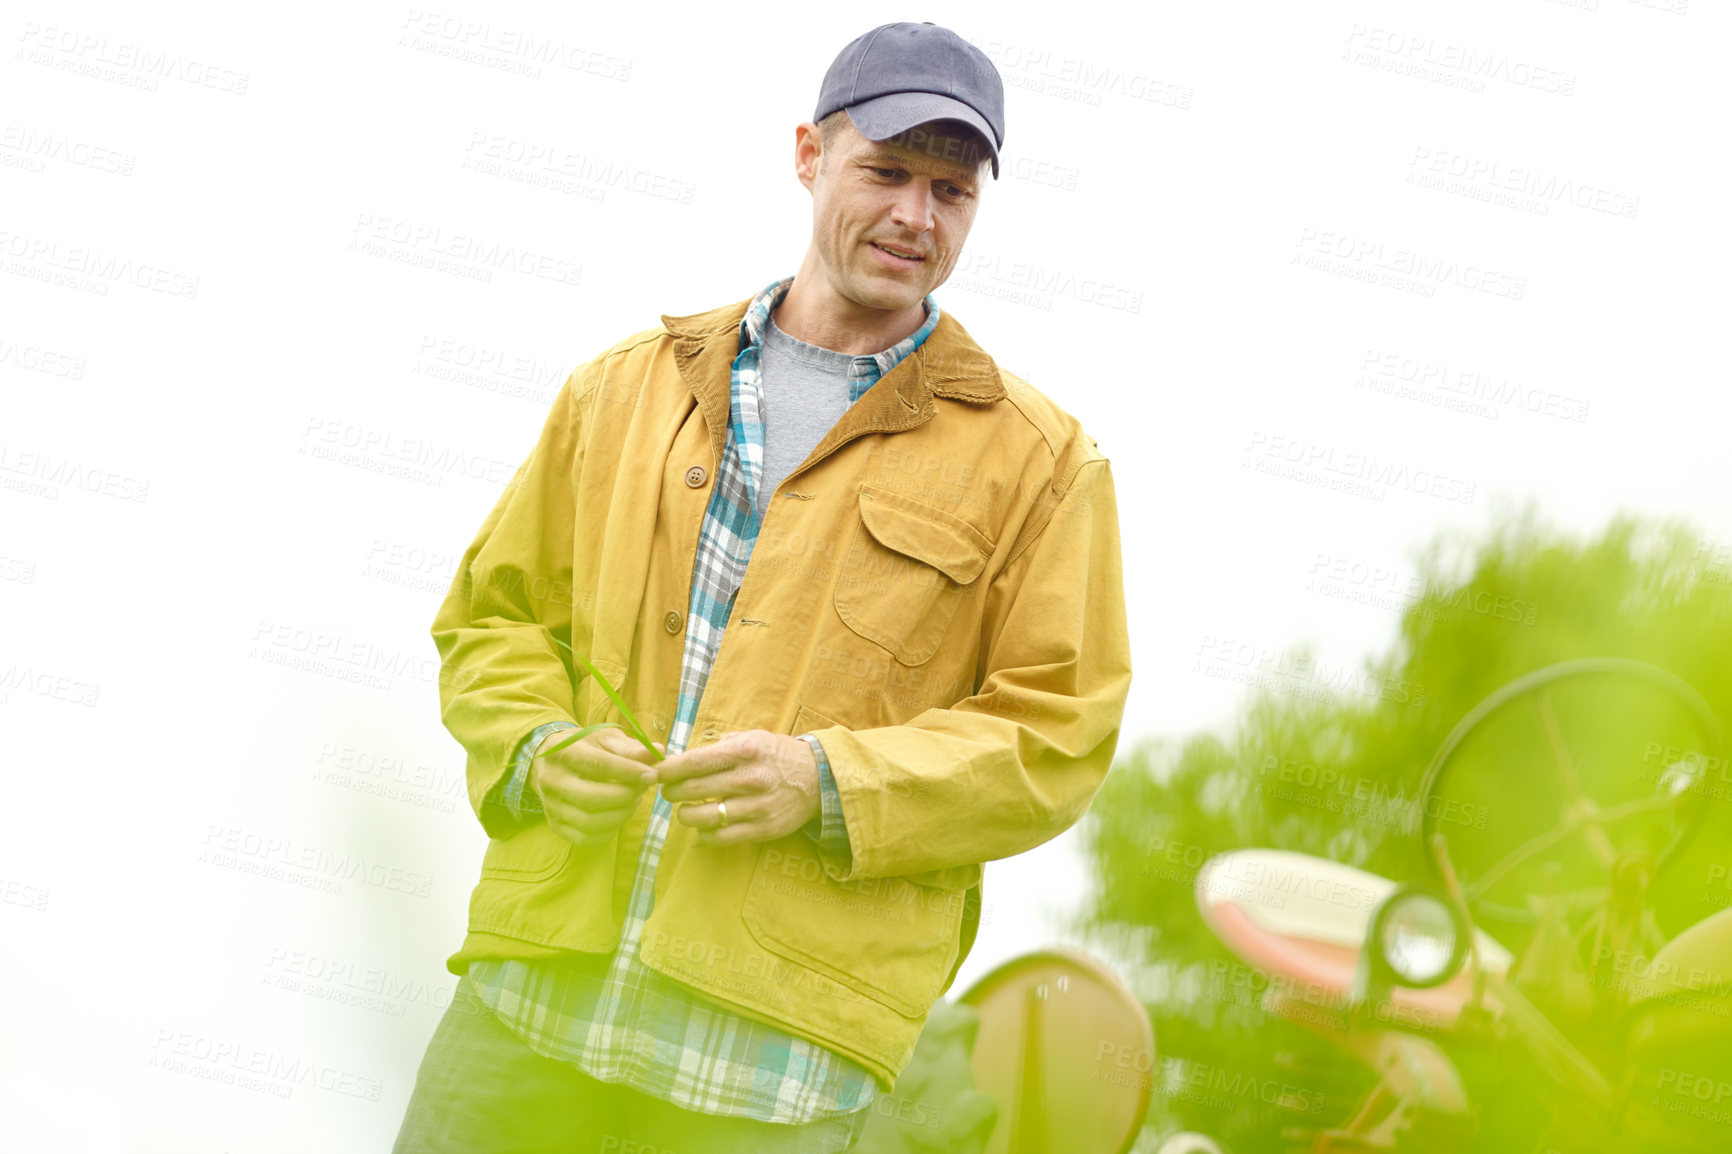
[805, 392]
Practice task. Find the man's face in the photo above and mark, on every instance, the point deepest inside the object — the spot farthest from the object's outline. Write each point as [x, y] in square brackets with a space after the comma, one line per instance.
[889, 217]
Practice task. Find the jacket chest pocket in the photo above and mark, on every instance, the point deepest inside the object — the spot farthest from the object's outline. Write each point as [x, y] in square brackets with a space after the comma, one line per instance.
[907, 567]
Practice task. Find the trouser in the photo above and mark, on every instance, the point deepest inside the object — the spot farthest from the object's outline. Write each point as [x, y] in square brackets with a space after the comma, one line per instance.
[481, 1090]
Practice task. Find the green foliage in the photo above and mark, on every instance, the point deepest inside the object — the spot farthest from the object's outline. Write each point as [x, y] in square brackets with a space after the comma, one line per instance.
[1339, 776]
[576, 737]
[631, 725]
[935, 1108]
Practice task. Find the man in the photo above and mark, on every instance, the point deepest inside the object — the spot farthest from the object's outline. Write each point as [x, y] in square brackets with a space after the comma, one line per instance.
[914, 559]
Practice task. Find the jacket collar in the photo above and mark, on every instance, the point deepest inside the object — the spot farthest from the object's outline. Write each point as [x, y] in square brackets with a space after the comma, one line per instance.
[948, 364]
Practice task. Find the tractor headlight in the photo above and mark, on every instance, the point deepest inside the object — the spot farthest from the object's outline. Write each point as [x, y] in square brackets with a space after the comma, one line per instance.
[1418, 938]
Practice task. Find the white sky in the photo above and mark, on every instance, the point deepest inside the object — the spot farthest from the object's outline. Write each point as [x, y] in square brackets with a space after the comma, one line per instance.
[1197, 161]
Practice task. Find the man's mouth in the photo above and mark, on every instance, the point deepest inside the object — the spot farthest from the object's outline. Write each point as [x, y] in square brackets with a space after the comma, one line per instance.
[904, 254]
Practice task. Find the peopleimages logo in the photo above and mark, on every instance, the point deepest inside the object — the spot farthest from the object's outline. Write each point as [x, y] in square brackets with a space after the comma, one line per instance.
[34, 149]
[324, 651]
[229, 1062]
[1276, 880]
[1424, 57]
[507, 49]
[134, 65]
[546, 164]
[1298, 674]
[45, 473]
[90, 269]
[36, 359]
[1077, 79]
[311, 866]
[1367, 256]
[45, 683]
[1542, 189]
[1361, 474]
[1048, 282]
[464, 254]
[1438, 382]
[382, 450]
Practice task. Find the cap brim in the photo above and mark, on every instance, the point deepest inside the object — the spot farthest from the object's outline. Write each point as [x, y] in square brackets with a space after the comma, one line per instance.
[885, 116]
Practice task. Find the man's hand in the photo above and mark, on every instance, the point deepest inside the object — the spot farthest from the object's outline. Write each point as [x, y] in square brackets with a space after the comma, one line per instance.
[768, 781]
[590, 788]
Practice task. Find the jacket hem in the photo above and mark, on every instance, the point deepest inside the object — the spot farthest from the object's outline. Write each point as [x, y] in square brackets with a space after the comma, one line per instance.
[875, 1064]
[478, 944]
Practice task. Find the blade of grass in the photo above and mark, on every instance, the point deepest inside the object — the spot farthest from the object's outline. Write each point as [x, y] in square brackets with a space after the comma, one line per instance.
[631, 726]
[574, 738]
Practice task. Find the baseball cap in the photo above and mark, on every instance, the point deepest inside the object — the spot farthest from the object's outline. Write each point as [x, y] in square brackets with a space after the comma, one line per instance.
[900, 75]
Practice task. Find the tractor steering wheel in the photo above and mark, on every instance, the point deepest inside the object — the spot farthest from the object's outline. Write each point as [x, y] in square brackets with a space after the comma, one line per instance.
[1648, 707]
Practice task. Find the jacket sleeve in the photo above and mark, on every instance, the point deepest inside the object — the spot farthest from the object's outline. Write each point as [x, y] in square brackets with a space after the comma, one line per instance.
[518, 803]
[828, 831]
[501, 675]
[1018, 762]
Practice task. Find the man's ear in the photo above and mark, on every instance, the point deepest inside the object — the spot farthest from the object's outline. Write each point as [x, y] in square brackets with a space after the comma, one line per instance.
[808, 146]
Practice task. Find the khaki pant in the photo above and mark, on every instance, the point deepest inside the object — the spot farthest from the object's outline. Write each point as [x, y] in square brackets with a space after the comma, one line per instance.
[480, 1090]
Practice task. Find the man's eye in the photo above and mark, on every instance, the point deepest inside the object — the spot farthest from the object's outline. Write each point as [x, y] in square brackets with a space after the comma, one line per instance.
[886, 173]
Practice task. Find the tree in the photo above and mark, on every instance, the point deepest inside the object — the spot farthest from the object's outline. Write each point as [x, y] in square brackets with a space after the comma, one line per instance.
[1331, 765]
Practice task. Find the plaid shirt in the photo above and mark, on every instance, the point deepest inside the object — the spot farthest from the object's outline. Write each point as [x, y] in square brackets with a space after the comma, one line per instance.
[633, 1025]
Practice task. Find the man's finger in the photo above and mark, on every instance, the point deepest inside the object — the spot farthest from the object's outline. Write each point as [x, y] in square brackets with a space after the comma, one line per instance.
[735, 833]
[620, 742]
[731, 782]
[706, 814]
[595, 823]
[574, 790]
[575, 825]
[695, 762]
[594, 799]
[599, 757]
[744, 816]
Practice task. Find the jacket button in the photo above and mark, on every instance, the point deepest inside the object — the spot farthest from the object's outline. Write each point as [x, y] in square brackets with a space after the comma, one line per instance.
[695, 476]
[672, 621]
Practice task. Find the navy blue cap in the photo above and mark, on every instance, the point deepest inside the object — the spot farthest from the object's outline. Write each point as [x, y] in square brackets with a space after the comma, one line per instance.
[900, 75]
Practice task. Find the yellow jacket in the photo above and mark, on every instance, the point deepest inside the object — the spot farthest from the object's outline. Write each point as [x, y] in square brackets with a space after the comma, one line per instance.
[935, 593]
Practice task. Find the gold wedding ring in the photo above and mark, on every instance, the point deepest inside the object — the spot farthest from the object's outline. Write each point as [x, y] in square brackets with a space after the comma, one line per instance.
[722, 812]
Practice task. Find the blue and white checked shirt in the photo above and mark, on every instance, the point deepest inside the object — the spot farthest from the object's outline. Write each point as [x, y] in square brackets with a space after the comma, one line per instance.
[633, 1025]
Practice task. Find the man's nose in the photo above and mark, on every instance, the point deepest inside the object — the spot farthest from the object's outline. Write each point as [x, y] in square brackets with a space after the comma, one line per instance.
[913, 208]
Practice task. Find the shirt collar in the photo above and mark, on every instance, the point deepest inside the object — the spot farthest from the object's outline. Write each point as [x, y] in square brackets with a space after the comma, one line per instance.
[757, 320]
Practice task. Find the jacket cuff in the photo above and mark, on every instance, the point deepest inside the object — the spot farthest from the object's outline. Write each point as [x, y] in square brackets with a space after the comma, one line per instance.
[513, 796]
[828, 829]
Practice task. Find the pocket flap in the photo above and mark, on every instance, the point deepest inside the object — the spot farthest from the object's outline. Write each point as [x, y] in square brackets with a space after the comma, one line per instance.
[960, 877]
[924, 532]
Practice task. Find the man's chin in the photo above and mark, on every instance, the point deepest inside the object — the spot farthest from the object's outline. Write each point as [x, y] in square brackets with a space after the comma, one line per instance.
[887, 298]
